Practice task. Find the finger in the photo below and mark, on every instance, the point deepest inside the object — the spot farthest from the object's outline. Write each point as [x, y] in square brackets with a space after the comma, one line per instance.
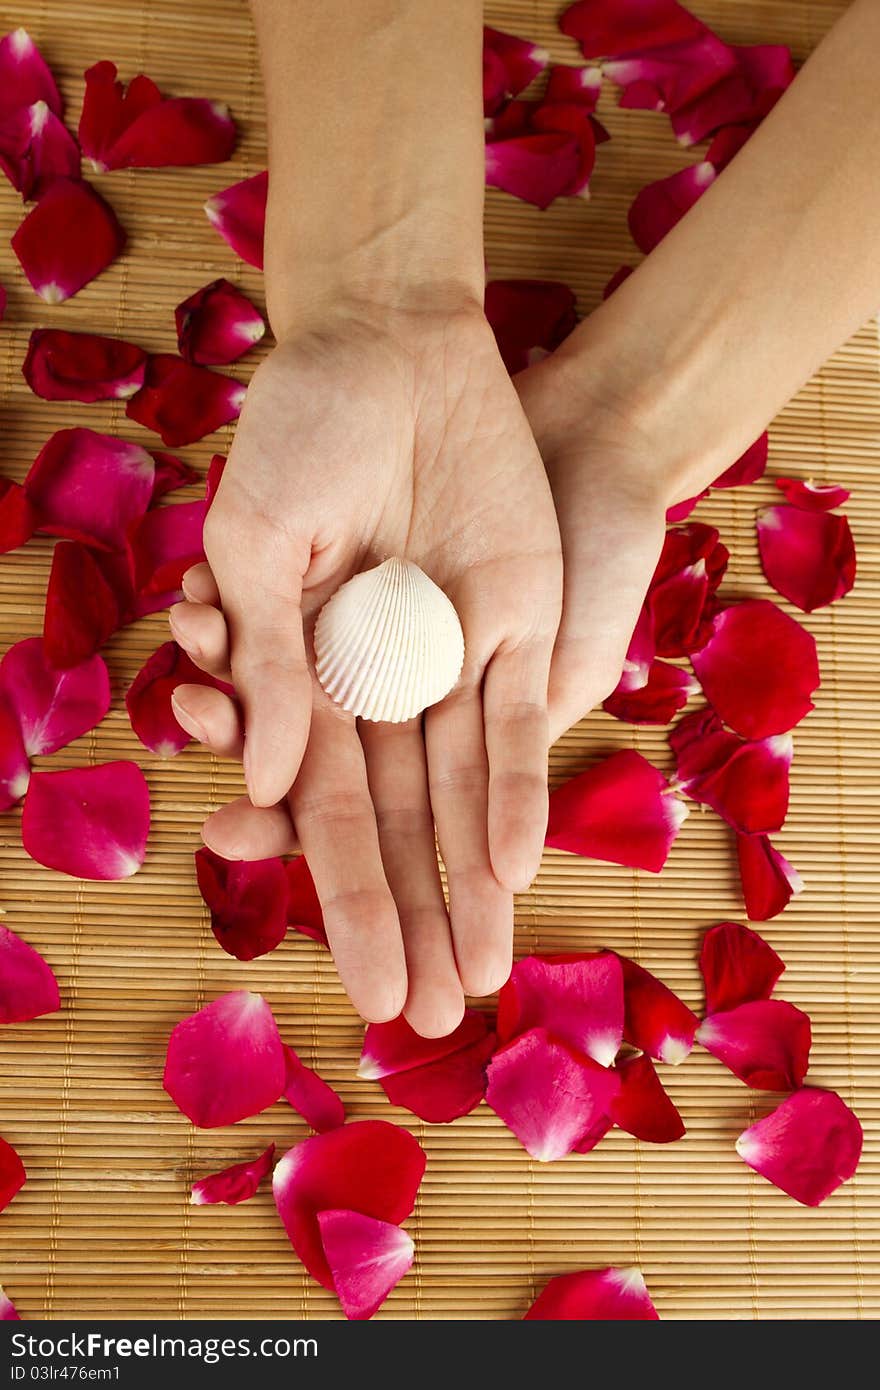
[480, 910]
[201, 631]
[200, 586]
[336, 825]
[241, 830]
[517, 738]
[398, 779]
[209, 716]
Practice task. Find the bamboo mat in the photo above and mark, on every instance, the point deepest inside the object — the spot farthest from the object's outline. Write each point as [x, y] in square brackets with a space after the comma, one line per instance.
[103, 1226]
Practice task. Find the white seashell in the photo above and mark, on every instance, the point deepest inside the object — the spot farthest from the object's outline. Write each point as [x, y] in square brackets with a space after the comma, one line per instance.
[388, 643]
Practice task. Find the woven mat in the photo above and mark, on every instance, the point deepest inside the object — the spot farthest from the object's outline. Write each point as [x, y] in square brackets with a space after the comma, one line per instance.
[103, 1226]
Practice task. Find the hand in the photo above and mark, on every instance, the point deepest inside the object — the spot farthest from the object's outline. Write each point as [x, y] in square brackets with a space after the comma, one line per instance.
[364, 440]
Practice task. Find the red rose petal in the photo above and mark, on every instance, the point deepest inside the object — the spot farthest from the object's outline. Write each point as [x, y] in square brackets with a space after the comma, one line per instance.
[238, 213]
[656, 209]
[138, 129]
[594, 1295]
[62, 366]
[749, 467]
[12, 1174]
[89, 822]
[509, 65]
[766, 1043]
[769, 882]
[303, 906]
[83, 608]
[54, 707]
[35, 149]
[15, 769]
[390, 1048]
[808, 557]
[810, 496]
[746, 95]
[28, 988]
[571, 118]
[604, 27]
[90, 487]
[639, 655]
[621, 810]
[666, 691]
[171, 473]
[164, 544]
[547, 1094]
[578, 84]
[217, 324]
[444, 1090]
[744, 781]
[536, 168]
[672, 76]
[680, 511]
[213, 476]
[642, 1106]
[728, 143]
[681, 596]
[370, 1167]
[235, 1184]
[578, 998]
[183, 403]
[529, 318]
[656, 1020]
[623, 272]
[807, 1146]
[247, 900]
[18, 520]
[148, 699]
[226, 1061]
[758, 669]
[24, 75]
[7, 1308]
[367, 1259]
[738, 966]
[67, 239]
[310, 1095]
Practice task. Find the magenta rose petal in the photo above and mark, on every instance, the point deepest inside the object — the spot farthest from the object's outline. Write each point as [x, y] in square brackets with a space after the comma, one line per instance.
[642, 1107]
[235, 1184]
[89, 822]
[303, 906]
[547, 1094]
[217, 324]
[738, 966]
[35, 149]
[238, 213]
[745, 781]
[310, 1095]
[63, 366]
[529, 318]
[12, 1174]
[67, 239]
[765, 1043]
[15, 768]
[171, 473]
[577, 998]
[621, 811]
[444, 1090]
[666, 691]
[83, 607]
[749, 467]
[164, 544]
[148, 698]
[572, 118]
[605, 27]
[226, 1061]
[741, 97]
[657, 208]
[182, 402]
[810, 496]
[247, 900]
[54, 706]
[367, 1259]
[656, 1021]
[136, 128]
[671, 77]
[536, 168]
[8, 1311]
[18, 520]
[594, 1295]
[24, 75]
[90, 487]
[509, 65]
[371, 1167]
[808, 556]
[769, 882]
[390, 1048]
[28, 988]
[756, 695]
[807, 1146]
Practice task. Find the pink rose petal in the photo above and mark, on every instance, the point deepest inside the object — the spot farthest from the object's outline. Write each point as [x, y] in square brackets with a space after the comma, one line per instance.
[148, 698]
[577, 998]
[15, 768]
[658, 207]
[367, 1259]
[35, 149]
[238, 213]
[620, 810]
[310, 1095]
[63, 366]
[444, 1090]
[769, 882]
[807, 1146]
[758, 669]
[235, 1184]
[666, 691]
[642, 1107]
[226, 1061]
[24, 75]
[139, 129]
[247, 900]
[303, 906]
[7, 1308]
[738, 966]
[54, 707]
[529, 318]
[810, 496]
[182, 402]
[370, 1167]
[605, 27]
[89, 822]
[746, 782]
[536, 168]
[83, 607]
[217, 324]
[766, 1043]
[90, 487]
[164, 544]
[594, 1295]
[656, 1021]
[509, 65]
[390, 1048]
[12, 1174]
[28, 988]
[67, 239]
[808, 556]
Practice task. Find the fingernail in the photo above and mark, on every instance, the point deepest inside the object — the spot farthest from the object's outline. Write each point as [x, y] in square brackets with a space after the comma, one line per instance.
[182, 639]
[187, 720]
[248, 770]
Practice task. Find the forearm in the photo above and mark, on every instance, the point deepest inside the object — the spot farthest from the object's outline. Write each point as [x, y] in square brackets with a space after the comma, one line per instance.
[776, 265]
[375, 154]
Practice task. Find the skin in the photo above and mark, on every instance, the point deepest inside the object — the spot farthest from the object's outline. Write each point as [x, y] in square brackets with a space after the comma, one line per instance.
[649, 400]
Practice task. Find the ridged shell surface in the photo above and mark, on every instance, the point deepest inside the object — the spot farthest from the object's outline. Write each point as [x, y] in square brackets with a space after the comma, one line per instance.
[388, 643]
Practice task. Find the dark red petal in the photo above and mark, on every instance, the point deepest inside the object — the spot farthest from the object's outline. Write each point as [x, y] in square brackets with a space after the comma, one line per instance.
[247, 900]
[15, 769]
[109, 107]
[620, 810]
[595, 1295]
[738, 966]
[623, 272]
[657, 208]
[147, 131]
[310, 1095]
[727, 144]
[769, 882]
[370, 1167]
[741, 97]
[574, 84]
[89, 822]
[303, 907]
[758, 669]
[90, 487]
[744, 781]
[807, 1146]
[642, 1106]
[62, 366]
[35, 149]
[808, 557]
[442, 1091]
[749, 467]
[238, 213]
[574, 119]
[82, 607]
[171, 473]
[183, 403]
[810, 496]
[18, 520]
[165, 544]
[148, 699]
[529, 318]
[24, 75]
[667, 690]
[547, 1094]
[577, 998]
[536, 168]
[509, 65]
[656, 1020]
[217, 324]
[12, 1174]
[28, 988]
[604, 27]
[766, 1043]
[367, 1259]
[226, 1061]
[54, 707]
[67, 239]
[213, 476]
[390, 1048]
[235, 1184]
